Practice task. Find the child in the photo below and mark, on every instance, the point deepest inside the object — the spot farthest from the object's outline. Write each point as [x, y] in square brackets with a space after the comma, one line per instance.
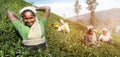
[63, 26]
[91, 39]
[105, 36]
[31, 29]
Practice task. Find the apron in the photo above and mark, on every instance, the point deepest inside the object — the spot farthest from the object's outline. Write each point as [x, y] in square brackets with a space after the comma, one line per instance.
[35, 35]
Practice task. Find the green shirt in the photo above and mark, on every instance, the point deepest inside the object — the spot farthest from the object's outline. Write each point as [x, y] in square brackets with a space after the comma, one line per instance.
[24, 30]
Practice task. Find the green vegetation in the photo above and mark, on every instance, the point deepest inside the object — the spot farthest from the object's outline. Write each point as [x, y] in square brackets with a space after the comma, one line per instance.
[58, 44]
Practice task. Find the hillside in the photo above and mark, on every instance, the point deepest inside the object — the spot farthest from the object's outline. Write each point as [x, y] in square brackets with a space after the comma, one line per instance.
[58, 44]
[107, 18]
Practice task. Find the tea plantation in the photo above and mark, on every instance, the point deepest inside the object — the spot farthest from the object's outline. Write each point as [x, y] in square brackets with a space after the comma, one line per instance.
[58, 44]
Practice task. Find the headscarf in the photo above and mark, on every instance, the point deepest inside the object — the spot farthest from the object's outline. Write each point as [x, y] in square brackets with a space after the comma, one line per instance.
[108, 32]
[61, 21]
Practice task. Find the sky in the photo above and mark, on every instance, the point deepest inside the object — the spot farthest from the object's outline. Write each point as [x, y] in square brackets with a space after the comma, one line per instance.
[66, 7]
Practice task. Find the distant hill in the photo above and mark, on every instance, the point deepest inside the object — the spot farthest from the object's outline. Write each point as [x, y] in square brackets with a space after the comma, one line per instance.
[107, 18]
[59, 44]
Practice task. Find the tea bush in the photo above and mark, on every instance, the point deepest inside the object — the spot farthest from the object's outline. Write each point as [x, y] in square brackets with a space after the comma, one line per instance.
[58, 44]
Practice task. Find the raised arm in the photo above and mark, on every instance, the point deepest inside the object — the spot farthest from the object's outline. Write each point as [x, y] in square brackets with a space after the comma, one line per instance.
[46, 10]
[11, 16]
[20, 27]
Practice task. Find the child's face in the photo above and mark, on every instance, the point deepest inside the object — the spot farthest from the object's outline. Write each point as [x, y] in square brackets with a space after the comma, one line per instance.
[91, 31]
[29, 19]
[104, 32]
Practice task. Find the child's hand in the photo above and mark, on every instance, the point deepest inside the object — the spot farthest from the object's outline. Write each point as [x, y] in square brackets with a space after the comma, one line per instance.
[11, 16]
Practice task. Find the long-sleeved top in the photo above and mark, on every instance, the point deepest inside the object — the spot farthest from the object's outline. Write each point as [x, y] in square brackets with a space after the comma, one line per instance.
[91, 39]
[24, 31]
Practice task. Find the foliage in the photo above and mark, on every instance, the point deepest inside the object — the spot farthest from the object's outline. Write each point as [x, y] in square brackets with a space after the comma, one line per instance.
[77, 8]
[92, 4]
[58, 44]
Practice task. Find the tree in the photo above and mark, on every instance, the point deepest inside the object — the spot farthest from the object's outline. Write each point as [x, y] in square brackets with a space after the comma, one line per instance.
[77, 8]
[92, 4]
[64, 17]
